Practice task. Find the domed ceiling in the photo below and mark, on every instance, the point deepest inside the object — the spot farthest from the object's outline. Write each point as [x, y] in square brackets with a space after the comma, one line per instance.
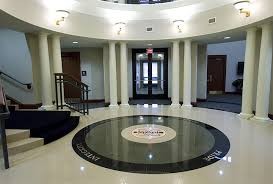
[181, 9]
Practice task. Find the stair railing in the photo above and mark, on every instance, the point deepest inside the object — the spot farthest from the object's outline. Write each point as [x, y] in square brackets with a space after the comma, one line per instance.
[4, 115]
[71, 93]
[28, 85]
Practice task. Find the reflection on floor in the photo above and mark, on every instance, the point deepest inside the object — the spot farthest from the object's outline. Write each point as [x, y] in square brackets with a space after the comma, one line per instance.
[225, 102]
[150, 101]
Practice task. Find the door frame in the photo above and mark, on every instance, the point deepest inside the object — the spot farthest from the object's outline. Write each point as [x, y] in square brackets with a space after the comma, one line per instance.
[165, 73]
[224, 57]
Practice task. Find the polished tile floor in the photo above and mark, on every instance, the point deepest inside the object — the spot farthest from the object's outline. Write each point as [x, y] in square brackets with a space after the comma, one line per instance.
[249, 160]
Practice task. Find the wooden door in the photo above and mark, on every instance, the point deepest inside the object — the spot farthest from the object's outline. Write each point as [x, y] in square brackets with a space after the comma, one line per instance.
[71, 66]
[216, 75]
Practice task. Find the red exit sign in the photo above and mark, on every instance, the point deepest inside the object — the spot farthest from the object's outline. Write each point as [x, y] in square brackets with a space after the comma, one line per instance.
[149, 51]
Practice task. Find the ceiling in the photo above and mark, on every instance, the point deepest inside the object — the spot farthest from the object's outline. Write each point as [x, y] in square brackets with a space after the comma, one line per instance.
[182, 9]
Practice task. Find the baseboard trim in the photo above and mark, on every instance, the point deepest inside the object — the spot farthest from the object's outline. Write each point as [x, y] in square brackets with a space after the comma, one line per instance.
[201, 99]
[30, 106]
[233, 93]
[94, 100]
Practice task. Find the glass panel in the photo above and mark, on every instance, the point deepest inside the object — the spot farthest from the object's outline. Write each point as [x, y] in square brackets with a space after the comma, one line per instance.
[142, 74]
[158, 73]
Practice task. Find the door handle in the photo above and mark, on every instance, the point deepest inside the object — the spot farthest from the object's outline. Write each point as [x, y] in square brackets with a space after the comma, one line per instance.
[210, 78]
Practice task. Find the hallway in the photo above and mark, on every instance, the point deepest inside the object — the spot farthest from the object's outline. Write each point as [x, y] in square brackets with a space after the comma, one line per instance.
[225, 102]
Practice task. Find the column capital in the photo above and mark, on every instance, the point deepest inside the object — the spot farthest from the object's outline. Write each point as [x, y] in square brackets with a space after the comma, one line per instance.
[42, 33]
[251, 29]
[188, 40]
[57, 36]
[112, 42]
[122, 42]
[267, 25]
[175, 41]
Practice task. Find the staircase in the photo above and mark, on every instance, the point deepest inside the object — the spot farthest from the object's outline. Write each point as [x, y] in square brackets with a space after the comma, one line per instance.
[20, 141]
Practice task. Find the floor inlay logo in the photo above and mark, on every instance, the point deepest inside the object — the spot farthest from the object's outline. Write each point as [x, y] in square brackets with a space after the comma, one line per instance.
[148, 132]
[151, 144]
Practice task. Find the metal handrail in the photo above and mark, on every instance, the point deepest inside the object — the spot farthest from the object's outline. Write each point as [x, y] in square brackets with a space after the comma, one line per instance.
[63, 81]
[28, 85]
[71, 77]
[60, 80]
[3, 117]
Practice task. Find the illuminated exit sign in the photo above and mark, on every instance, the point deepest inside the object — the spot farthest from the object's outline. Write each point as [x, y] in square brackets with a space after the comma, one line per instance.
[149, 51]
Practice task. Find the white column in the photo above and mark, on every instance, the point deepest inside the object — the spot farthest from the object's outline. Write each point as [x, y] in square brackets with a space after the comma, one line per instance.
[113, 74]
[194, 73]
[57, 54]
[247, 98]
[106, 73]
[264, 75]
[57, 62]
[175, 74]
[202, 72]
[124, 75]
[187, 75]
[45, 72]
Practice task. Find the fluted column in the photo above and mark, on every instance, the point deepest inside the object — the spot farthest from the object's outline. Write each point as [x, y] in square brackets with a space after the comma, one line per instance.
[247, 98]
[187, 75]
[124, 75]
[113, 74]
[264, 75]
[175, 74]
[45, 71]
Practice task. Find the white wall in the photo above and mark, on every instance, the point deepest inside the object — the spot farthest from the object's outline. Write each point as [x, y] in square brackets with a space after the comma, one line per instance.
[92, 63]
[235, 52]
[15, 60]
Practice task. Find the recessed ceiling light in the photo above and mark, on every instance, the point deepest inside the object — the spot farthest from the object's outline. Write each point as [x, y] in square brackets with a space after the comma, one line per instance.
[150, 44]
[227, 37]
[75, 42]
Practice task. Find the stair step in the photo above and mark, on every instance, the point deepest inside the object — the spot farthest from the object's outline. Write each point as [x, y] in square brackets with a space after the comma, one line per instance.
[14, 135]
[8, 102]
[24, 145]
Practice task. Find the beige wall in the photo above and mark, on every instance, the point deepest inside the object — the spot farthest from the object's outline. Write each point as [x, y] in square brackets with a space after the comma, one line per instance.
[92, 63]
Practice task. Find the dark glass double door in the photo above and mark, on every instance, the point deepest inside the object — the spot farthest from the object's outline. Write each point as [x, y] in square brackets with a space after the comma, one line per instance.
[150, 74]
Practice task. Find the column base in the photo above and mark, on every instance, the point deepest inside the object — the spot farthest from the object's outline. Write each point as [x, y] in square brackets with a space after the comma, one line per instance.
[245, 115]
[175, 106]
[47, 107]
[125, 105]
[186, 106]
[256, 118]
[113, 106]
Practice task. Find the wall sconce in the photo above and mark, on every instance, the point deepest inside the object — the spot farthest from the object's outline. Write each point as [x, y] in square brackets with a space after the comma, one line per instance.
[243, 7]
[178, 24]
[60, 16]
[119, 27]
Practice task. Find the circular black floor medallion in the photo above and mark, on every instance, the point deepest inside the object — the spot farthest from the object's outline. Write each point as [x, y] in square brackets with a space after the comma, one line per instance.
[151, 144]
